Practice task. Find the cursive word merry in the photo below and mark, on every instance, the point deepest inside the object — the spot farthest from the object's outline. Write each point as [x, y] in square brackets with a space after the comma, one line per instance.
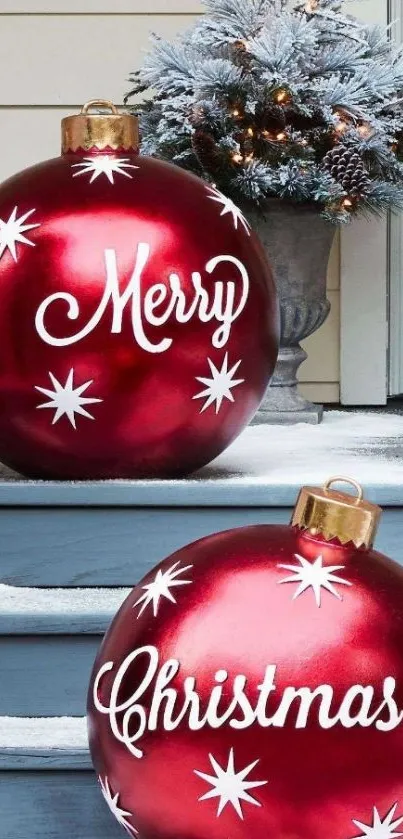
[222, 304]
[130, 719]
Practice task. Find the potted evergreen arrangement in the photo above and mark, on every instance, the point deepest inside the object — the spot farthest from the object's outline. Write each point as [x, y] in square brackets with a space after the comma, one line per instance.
[296, 115]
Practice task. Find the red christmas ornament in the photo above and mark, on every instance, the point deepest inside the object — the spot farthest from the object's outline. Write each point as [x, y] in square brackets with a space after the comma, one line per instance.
[138, 315]
[252, 685]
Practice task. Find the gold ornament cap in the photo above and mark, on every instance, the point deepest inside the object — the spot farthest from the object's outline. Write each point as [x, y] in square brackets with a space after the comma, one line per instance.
[323, 511]
[100, 131]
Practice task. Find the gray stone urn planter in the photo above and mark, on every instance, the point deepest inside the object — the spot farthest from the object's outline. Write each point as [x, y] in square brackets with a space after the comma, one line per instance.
[298, 242]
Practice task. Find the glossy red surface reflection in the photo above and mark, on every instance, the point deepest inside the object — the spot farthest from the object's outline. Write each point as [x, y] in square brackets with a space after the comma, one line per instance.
[128, 290]
[242, 634]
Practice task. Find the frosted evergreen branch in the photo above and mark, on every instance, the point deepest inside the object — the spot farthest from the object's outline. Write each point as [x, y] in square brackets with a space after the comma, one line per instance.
[257, 97]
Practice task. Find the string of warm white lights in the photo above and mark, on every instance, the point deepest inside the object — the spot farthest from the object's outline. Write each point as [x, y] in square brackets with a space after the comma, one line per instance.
[283, 97]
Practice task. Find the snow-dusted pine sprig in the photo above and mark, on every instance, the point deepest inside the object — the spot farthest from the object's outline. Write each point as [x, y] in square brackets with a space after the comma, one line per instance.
[255, 97]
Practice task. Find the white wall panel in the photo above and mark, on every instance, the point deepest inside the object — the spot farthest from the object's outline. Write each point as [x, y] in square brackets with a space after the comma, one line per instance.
[95, 7]
[372, 11]
[27, 136]
[323, 362]
[325, 392]
[64, 60]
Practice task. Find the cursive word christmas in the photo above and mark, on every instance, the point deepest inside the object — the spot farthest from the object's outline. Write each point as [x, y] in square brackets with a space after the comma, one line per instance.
[130, 719]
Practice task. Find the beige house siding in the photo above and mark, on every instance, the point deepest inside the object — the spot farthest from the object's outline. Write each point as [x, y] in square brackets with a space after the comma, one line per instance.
[320, 373]
[56, 54]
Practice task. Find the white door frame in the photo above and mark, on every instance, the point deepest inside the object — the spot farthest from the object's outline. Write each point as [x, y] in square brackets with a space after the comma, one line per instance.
[363, 313]
[364, 287]
[396, 257]
[396, 306]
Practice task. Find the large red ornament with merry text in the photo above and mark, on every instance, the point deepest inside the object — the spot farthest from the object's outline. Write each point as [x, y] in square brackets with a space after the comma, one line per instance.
[252, 686]
[138, 315]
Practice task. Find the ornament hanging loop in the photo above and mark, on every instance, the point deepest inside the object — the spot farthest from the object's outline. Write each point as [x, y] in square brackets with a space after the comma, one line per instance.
[341, 479]
[106, 104]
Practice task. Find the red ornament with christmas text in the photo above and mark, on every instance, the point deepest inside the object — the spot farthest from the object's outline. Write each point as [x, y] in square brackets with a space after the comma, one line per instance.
[252, 685]
[138, 315]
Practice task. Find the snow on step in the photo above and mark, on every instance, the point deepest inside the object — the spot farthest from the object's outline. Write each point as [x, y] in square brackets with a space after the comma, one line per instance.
[46, 743]
[55, 601]
[43, 733]
[266, 464]
[58, 610]
[367, 444]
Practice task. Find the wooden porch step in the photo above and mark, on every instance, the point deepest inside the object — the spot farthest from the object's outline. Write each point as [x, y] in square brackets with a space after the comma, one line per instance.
[43, 804]
[48, 640]
[52, 611]
[116, 546]
[47, 782]
[108, 545]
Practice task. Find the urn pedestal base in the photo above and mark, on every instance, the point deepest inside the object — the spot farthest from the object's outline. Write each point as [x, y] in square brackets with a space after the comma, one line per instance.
[282, 404]
[297, 241]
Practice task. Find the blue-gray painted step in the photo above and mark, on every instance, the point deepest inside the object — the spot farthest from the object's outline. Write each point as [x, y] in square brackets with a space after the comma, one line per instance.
[223, 491]
[49, 760]
[47, 787]
[46, 675]
[106, 546]
[116, 546]
[48, 646]
[54, 805]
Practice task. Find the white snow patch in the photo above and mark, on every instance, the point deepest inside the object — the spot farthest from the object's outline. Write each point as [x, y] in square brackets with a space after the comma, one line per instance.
[43, 733]
[367, 446]
[55, 601]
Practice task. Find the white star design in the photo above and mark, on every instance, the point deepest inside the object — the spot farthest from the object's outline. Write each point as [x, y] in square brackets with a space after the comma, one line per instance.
[113, 804]
[228, 206]
[315, 576]
[219, 386]
[160, 587]
[67, 400]
[230, 786]
[380, 828]
[12, 231]
[104, 164]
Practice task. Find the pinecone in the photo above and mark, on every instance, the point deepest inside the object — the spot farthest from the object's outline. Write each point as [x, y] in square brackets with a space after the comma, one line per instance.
[205, 148]
[347, 167]
[304, 122]
[270, 118]
[240, 54]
